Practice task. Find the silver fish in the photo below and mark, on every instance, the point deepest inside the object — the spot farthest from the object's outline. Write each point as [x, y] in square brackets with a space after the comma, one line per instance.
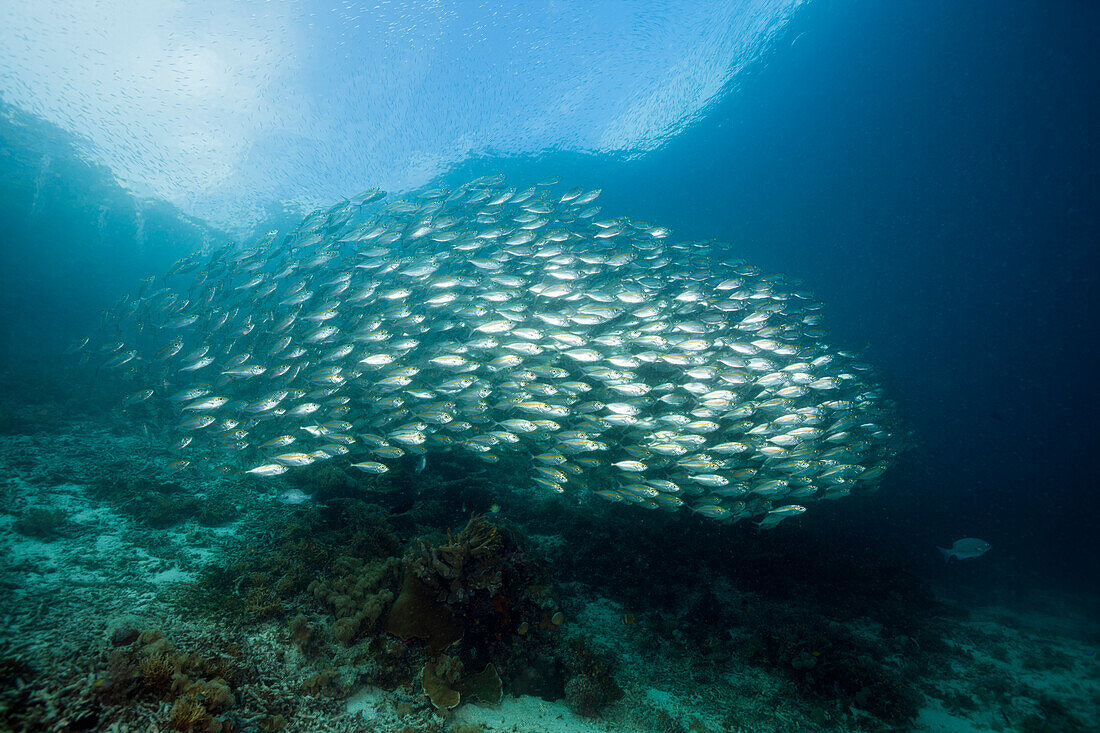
[487, 320]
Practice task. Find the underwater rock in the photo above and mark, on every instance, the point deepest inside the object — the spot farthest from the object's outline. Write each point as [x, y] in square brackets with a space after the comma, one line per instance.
[125, 636]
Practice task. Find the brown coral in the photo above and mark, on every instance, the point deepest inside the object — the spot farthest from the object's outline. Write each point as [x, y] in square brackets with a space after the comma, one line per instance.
[214, 694]
[196, 683]
[417, 614]
[445, 685]
[358, 594]
[439, 578]
[319, 682]
[437, 680]
[470, 586]
[188, 714]
[262, 603]
[592, 685]
[157, 672]
[463, 565]
[584, 696]
[302, 632]
[485, 686]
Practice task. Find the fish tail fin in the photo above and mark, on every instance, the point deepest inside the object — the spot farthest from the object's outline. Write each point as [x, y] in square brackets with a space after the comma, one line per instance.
[946, 554]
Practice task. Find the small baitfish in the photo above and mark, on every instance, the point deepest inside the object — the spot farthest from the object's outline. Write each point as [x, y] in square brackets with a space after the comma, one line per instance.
[605, 357]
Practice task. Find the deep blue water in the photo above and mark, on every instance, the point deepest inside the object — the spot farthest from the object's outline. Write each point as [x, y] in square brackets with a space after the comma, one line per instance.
[930, 170]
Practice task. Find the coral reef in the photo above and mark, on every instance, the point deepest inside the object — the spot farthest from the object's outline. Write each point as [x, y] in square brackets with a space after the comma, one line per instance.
[446, 683]
[358, 593]
[291, 621]
[43, 523]
[438, 679]
[146, 665]
[310, 594]
[485, 686]
[418, 614]
[446, 585]
[592, 685]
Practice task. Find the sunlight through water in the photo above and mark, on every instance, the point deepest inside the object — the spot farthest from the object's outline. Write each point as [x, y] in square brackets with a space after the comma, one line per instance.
[227, 109]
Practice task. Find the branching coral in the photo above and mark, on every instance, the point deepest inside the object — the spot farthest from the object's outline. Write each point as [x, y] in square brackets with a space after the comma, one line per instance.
[148, 666]
[157, 671]
[188, 714]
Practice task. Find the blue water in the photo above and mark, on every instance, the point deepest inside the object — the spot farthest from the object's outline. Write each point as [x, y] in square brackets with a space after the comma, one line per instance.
[930, 169]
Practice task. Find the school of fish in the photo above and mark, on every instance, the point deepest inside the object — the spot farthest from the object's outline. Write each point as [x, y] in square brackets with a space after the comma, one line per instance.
[492, 320]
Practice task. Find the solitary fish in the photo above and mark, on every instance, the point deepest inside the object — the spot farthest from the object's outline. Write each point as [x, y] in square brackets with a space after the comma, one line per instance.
[964, 548]
[293, 497]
